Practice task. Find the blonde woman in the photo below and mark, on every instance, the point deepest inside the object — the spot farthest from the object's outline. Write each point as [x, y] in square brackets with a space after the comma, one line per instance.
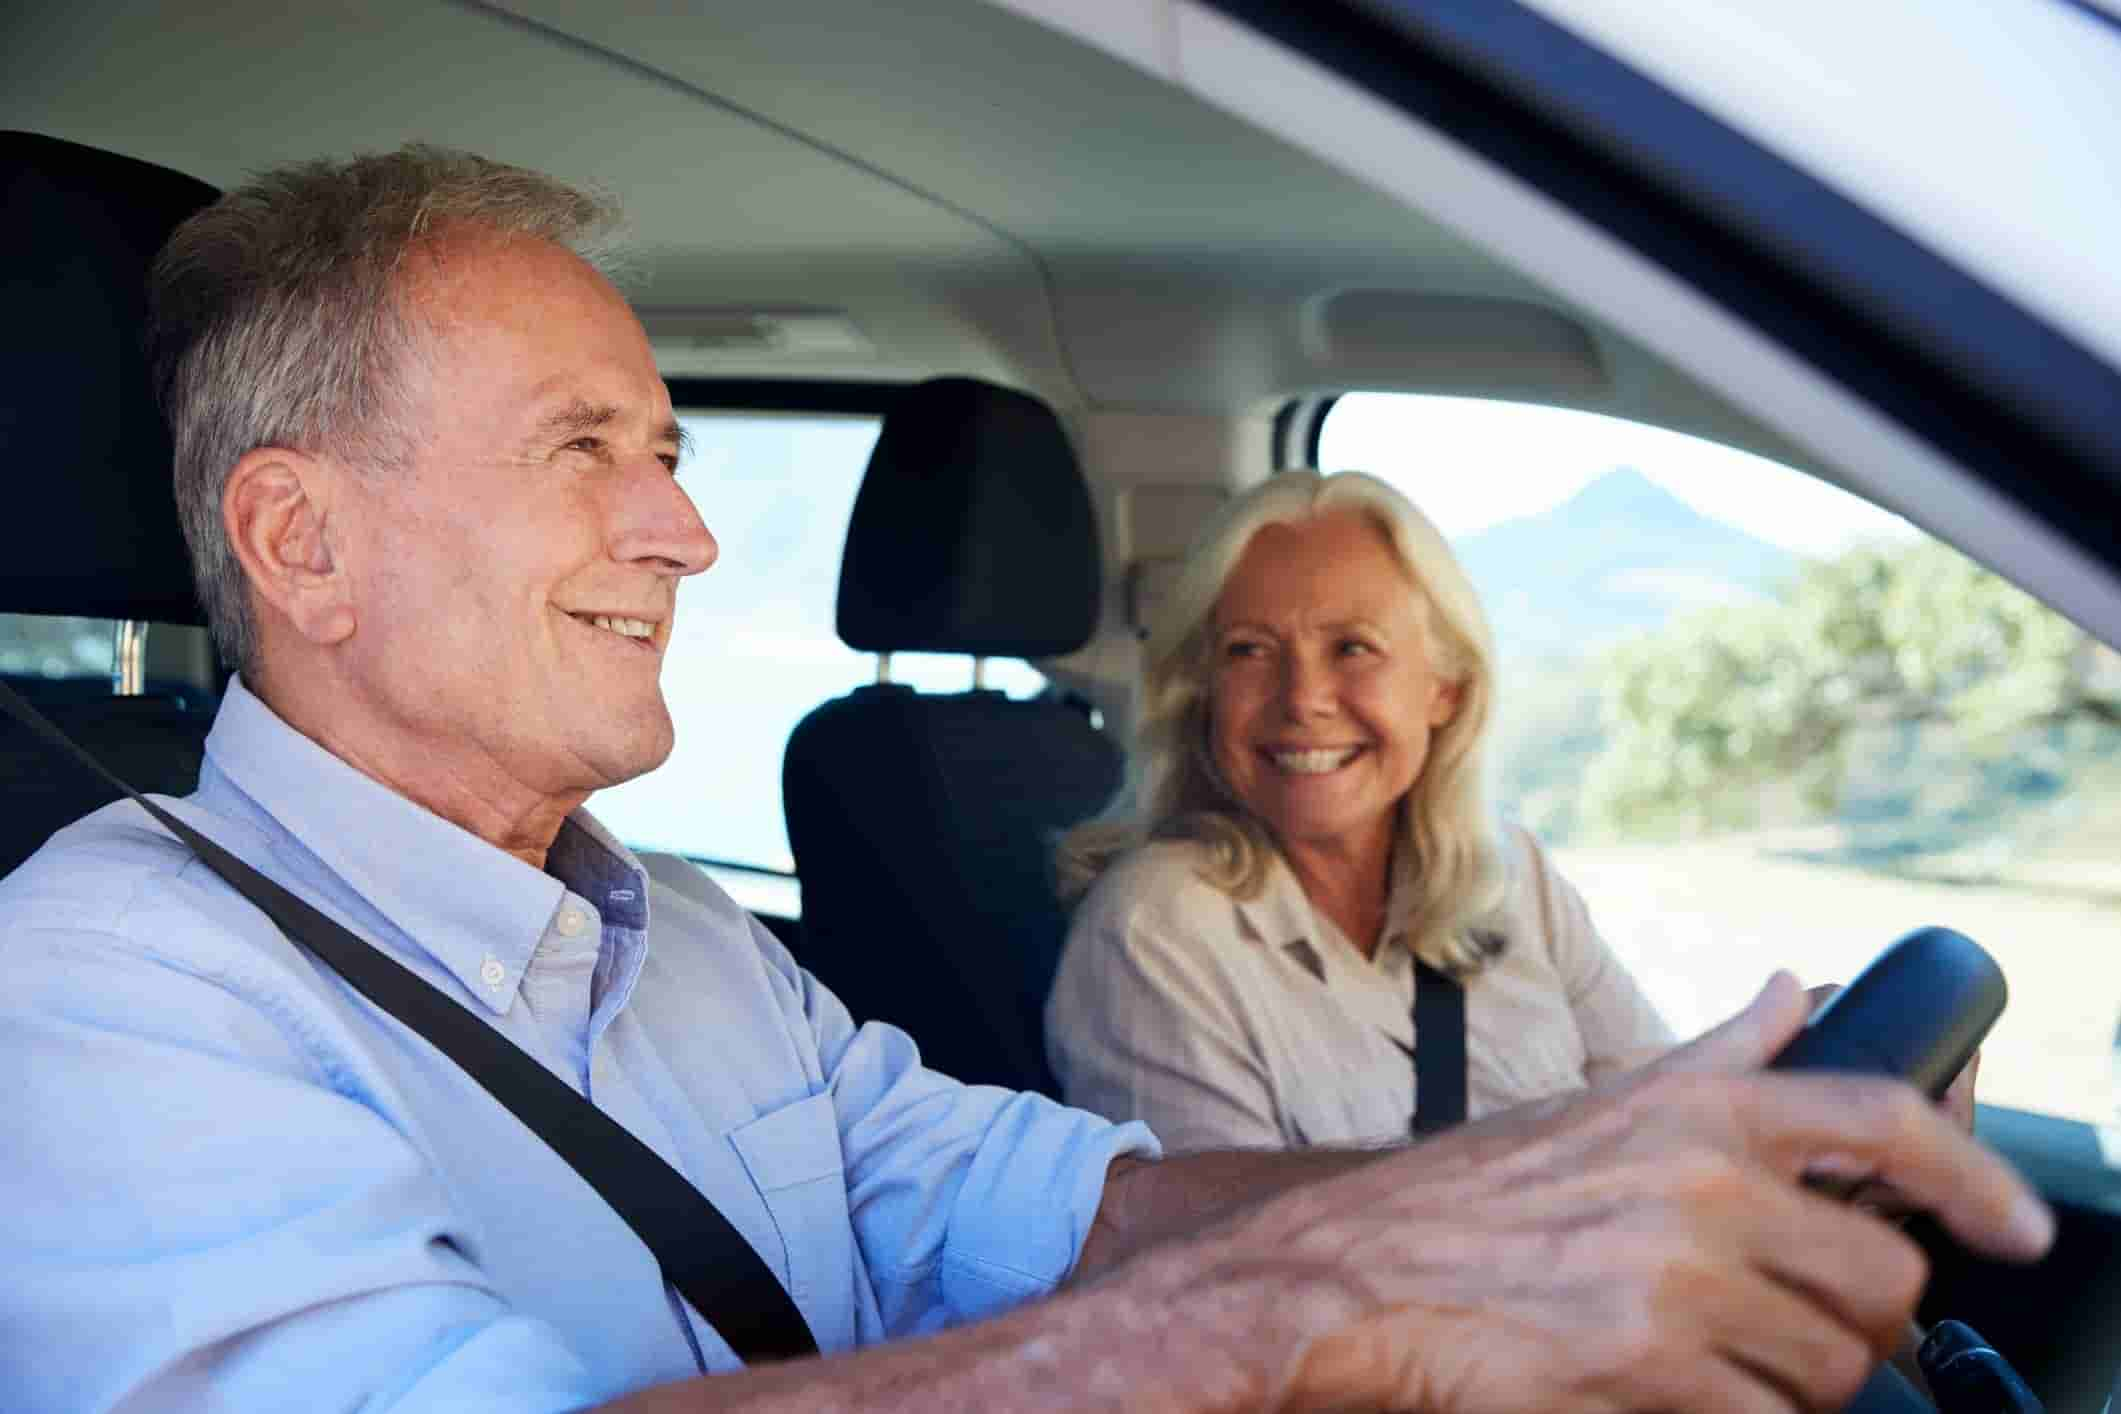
[1303, 835]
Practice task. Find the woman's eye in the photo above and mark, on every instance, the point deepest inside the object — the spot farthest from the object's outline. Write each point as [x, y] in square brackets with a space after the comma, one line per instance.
[1355, 647]
[1242, 649]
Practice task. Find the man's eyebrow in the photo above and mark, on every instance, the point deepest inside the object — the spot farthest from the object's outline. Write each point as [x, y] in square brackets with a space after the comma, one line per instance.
[576, 417]
[582, 416]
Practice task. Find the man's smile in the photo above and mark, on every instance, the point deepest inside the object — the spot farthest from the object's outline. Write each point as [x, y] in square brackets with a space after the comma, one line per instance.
[640, 632]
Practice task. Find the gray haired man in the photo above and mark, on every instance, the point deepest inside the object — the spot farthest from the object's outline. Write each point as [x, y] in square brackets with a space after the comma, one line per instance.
[425, 463]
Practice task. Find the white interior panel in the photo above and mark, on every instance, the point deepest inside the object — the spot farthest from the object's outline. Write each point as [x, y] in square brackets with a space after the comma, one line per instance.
[1864, 450]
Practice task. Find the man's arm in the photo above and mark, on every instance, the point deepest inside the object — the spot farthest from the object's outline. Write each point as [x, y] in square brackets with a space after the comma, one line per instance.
[1149, 1201]
[1147, 1346]
[1641, 1245]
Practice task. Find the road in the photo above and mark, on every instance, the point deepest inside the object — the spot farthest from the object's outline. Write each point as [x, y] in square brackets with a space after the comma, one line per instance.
[1703, 924]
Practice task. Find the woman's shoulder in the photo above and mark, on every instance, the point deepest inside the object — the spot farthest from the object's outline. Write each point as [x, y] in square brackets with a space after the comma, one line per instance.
[1161, 884]
[1525, 870]
[1539, 903]
[1528, 864]
[1523, 860]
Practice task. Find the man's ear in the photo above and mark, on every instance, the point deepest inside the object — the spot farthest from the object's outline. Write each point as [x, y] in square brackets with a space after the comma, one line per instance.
[276, 511]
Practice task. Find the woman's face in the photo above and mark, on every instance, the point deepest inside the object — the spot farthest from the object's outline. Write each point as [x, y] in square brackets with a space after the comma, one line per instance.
[1322, 696]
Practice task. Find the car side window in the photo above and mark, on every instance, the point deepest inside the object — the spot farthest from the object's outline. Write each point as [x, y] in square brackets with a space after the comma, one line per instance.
[1761, 723]
[754, 647]
[36, 649]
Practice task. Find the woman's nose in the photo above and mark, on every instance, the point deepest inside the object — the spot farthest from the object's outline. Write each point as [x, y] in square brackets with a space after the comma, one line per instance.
[1306, 687]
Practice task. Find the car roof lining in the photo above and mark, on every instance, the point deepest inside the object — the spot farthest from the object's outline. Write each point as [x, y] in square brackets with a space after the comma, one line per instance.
[932, 181]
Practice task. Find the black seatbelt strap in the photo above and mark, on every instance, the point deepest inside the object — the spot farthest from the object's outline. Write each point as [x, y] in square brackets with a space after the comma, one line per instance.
[706, 1259]
[1440, 1049]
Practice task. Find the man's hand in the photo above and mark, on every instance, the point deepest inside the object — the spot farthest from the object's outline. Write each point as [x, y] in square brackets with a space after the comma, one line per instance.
[1958, 1101]
[1645, 1245]
[1957, 1104]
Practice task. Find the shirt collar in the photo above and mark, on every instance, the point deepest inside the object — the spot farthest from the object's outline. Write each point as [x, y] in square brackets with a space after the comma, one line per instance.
[461, 900]
[1280, 915]
[601, 870]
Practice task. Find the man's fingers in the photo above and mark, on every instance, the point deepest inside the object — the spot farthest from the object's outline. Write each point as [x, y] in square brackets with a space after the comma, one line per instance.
[1958, 1101]
[1860, 1269]
[1751, 1038]
[1724, 1385]
[1794, 1119]
[1788, 1343]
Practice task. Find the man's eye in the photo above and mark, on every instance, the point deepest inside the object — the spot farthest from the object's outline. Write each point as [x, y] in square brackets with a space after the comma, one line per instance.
[1243, 649]
[669, 461]
[1355, 647]
[591, 445]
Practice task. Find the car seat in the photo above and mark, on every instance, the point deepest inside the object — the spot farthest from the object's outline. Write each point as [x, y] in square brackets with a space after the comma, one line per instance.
[94, 512]
[923, 824]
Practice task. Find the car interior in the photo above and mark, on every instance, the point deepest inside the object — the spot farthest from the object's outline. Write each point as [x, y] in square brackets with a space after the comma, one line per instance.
[1051, 285]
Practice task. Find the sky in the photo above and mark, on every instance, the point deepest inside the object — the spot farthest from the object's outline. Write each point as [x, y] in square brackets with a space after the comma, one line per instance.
[1525, 459]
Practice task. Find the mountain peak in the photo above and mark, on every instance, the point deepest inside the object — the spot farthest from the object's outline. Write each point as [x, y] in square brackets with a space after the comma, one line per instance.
[1622, 488]
[1622, 553]
[1624, 496]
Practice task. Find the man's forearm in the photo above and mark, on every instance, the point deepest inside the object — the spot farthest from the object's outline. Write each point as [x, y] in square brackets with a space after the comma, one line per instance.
[1171, 1337]
[1174, 1336]
[1147, 1201]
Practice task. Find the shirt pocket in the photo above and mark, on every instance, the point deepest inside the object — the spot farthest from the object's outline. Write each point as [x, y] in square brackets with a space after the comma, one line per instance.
[792, 1155]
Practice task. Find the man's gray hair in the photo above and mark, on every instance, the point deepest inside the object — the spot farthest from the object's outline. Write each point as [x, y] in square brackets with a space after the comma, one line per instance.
[275, 319]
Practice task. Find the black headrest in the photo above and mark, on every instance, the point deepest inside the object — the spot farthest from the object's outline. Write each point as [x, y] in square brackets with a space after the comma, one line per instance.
[87, 454]
[973, 532]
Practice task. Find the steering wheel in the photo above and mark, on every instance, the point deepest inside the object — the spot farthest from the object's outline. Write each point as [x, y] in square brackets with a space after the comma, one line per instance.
[1918, 1013]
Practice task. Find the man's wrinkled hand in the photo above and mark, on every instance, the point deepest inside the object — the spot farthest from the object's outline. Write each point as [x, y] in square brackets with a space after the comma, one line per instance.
[1642, 1245]
[1957, 1103]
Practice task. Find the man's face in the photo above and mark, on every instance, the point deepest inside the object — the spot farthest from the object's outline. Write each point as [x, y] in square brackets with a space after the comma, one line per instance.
[514, 585]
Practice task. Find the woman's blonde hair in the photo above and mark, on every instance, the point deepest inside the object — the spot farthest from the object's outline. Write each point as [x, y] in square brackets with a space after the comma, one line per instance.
[1446, 850]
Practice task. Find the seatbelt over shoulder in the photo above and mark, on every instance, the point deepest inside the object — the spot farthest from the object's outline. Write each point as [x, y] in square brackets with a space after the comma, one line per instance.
[700, 1253]
[1440, 1050]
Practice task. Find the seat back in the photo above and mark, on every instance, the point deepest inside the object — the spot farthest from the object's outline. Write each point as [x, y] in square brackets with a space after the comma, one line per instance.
[95, 515]
[923, 824]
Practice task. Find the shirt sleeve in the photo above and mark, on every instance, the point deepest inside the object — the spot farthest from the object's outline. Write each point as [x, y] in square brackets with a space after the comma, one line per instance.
[1619, 1026]
[1147, 1021]
[966, 1200]
[195, 1218]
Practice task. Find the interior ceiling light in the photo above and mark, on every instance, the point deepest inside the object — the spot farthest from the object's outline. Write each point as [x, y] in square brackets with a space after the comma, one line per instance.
[785, 333]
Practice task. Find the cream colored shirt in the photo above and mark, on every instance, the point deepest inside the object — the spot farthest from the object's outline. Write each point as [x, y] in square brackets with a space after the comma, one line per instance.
[1256, 1023]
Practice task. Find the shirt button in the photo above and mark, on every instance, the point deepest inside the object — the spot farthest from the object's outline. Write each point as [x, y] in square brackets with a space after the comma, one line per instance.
[492, 973]
[572, 922]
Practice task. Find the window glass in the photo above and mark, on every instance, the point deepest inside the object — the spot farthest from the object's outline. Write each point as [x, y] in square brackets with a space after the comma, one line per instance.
[1761, 723]
[33, 647]
[754, 647]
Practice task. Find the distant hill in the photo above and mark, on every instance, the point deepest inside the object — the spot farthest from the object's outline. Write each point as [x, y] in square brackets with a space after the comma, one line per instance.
[1621, 554]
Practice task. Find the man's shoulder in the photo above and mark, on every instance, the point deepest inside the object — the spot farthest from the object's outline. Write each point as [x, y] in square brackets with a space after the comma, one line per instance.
[694, 913]
[89, 874]
[118, 874]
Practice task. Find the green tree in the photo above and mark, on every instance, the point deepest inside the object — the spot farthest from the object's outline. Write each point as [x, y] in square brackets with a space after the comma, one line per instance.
[1745, 712]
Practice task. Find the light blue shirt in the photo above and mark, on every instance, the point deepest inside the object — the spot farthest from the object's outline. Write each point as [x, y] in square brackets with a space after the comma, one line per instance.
[228, 1182]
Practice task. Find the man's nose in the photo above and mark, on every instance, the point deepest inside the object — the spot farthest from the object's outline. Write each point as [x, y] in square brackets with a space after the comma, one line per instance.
[654, 520]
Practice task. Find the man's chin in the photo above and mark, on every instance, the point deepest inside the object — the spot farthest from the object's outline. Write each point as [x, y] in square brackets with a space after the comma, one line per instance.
[633, 754]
